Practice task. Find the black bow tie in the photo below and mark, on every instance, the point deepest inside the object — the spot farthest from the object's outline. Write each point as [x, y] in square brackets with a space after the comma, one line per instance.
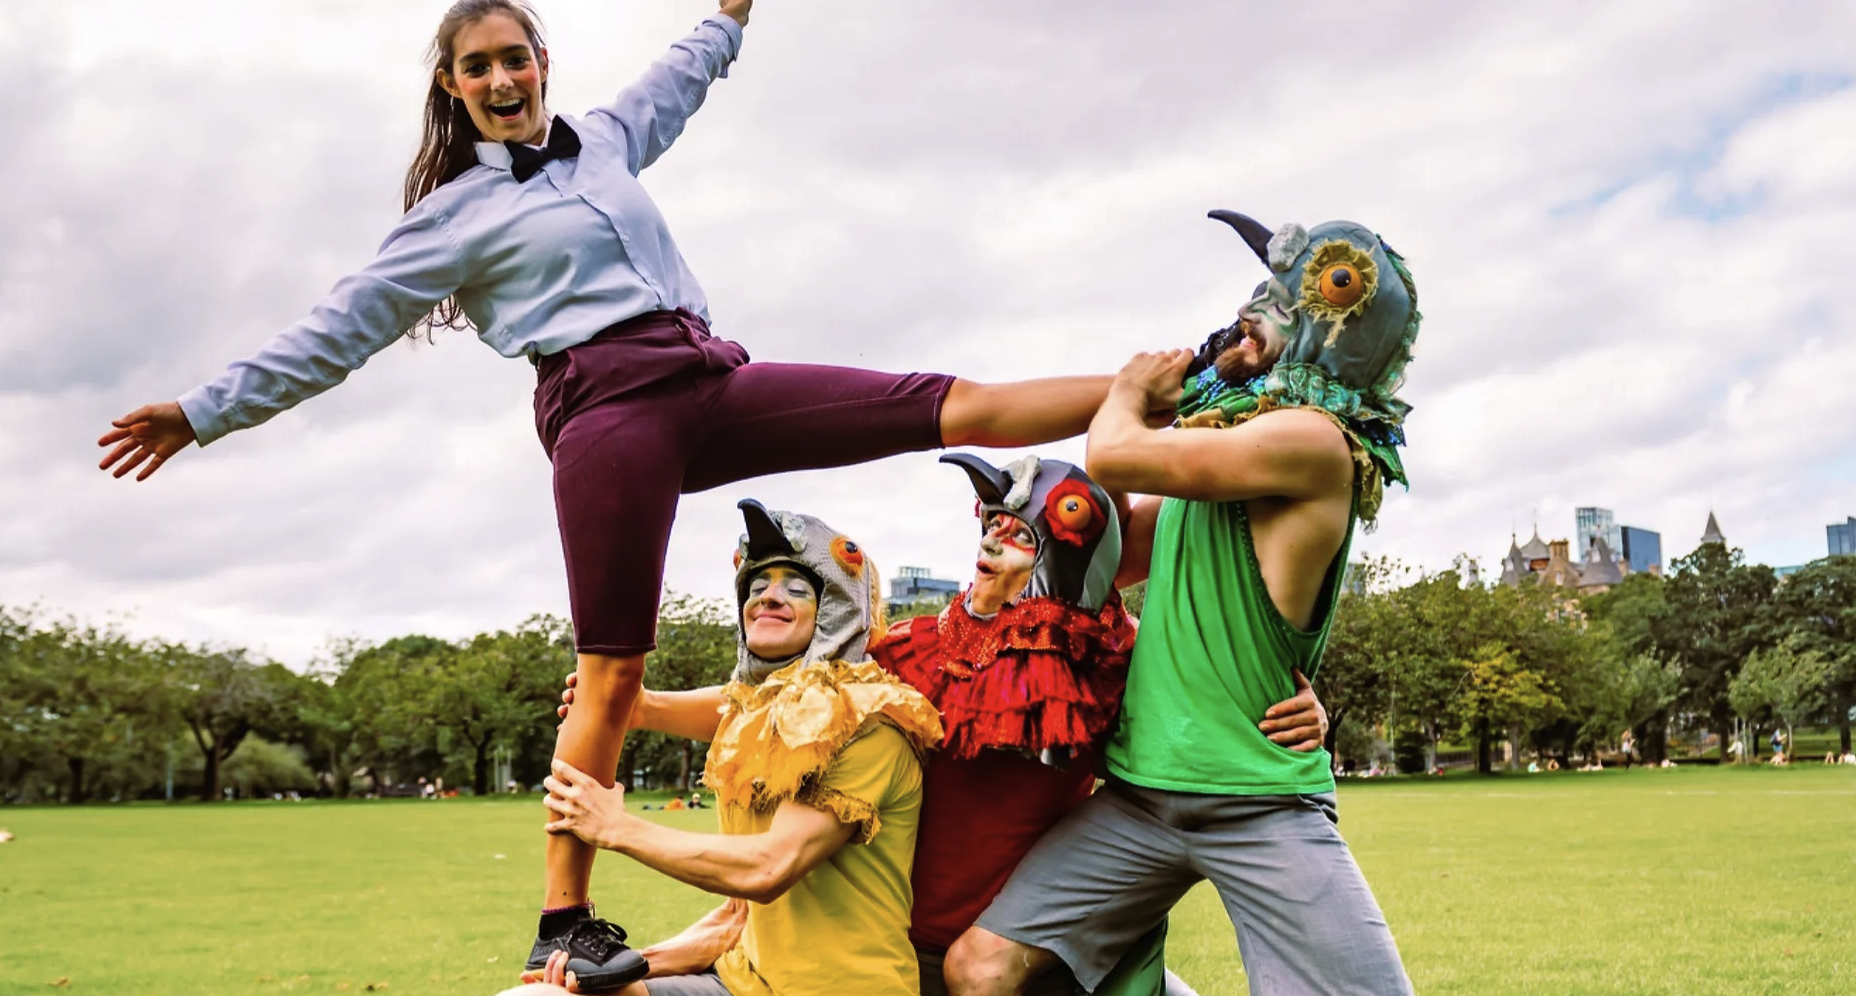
[525, 161]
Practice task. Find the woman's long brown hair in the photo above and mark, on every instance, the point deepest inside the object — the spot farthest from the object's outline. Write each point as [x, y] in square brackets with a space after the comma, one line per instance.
[446, 144]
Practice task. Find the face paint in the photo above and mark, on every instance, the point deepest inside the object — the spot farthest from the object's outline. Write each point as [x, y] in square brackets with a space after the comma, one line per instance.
[1008, 554]
[1264, 325]
[1047, 531]
[780, 614]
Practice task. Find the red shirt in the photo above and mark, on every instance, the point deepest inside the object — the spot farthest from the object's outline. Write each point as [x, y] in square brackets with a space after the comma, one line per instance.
[979, 819]
[1039, 675]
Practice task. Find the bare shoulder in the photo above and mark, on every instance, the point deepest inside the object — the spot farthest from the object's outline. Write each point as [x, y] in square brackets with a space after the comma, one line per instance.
[1307, 426]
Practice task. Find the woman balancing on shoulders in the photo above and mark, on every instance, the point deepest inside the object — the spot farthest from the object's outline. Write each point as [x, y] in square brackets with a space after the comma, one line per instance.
[534, 228]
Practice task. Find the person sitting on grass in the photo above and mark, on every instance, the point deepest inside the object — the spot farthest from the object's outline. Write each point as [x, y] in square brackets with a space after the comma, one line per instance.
[813, 749]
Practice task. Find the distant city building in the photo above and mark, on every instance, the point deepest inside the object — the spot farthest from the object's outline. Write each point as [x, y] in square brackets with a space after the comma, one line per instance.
[1784, 572]
[1843, 538]
[913, 584]
[1552, 563]
[1593, 524]
[1641, 550]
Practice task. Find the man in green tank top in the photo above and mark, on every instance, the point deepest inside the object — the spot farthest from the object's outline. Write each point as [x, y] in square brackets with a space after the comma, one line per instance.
[1249, 529]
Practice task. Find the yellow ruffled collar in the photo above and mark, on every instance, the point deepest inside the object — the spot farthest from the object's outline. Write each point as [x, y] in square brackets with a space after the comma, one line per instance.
[777, 737]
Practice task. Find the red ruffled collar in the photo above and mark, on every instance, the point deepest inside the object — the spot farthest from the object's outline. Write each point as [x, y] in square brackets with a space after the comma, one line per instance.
[1040, 675]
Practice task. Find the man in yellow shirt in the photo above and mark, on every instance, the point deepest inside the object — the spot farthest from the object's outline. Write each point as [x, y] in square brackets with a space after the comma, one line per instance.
[815, 764]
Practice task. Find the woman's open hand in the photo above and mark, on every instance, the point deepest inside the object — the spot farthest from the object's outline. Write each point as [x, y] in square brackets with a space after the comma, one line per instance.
[738, 9]
[150, 434]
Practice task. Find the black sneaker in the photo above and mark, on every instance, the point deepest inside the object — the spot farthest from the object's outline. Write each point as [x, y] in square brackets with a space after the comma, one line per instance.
[596, 954]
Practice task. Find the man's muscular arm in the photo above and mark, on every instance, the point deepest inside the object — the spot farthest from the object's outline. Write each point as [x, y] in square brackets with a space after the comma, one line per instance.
[758, 867]
[1289, 453]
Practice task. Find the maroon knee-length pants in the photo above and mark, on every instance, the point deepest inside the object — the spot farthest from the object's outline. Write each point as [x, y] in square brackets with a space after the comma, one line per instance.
[656, 407]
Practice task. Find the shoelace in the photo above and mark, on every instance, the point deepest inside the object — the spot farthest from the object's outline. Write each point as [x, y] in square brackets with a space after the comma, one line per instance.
[600, 937]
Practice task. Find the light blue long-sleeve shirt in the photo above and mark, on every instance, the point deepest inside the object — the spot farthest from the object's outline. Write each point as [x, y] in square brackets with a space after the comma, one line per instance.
[537, 266]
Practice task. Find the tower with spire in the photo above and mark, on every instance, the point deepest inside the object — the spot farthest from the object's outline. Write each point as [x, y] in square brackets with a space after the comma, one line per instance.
[1713, 533]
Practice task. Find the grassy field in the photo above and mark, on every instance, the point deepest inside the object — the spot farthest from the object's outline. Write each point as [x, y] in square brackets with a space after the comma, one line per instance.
[1694, 881]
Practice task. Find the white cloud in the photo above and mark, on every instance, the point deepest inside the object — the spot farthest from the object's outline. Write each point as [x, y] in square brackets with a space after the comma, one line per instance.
[1626, 223]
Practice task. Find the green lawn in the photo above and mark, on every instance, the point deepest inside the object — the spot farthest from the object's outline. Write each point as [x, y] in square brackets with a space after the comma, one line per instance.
[1694, 881]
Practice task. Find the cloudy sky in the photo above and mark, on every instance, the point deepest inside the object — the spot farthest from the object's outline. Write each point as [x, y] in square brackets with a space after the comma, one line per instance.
[1631, 227]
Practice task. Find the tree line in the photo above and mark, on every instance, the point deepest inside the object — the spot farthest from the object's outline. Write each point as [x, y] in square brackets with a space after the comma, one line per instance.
[89, 713]
[1717, 646]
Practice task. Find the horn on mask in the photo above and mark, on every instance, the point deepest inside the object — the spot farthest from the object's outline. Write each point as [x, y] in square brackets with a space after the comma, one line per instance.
[765, 537]
[1256, 234]
[989, 482]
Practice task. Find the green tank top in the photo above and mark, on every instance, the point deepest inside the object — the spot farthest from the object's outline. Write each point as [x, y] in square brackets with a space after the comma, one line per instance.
[1213, 654]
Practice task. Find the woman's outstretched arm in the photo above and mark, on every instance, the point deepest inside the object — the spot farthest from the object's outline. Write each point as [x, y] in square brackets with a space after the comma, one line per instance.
[649, 114]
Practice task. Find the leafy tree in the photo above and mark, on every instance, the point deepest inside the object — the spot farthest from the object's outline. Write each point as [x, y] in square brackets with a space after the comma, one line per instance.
[498, 689]
[1785, 682]
[1499, 690]
[223, 696]
[259, 768]
[381, 696]
[78, 697]
[1715, 605]
[1552, 640]
[1616, 692]
[1635, 682]
[328, 727]
[1816, 608]
[1358, 672]
[1448, 617]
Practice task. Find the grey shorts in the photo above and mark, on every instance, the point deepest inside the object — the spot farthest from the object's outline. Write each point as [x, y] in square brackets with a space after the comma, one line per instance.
[705, 983]
[1306, 921]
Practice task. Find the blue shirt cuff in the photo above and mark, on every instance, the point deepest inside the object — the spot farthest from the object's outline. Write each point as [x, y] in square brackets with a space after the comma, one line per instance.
[731, 28]
[203, 415]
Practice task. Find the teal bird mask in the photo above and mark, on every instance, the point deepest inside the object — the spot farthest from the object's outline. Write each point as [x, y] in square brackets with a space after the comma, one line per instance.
[1351, 313]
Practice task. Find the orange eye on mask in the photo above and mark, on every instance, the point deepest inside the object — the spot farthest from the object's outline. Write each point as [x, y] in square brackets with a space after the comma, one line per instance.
[1342, 285]
[848, 554]
[1072, 513]
[1338, 283]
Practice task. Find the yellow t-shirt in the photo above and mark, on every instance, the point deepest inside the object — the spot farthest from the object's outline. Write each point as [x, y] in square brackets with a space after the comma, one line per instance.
[850, 913]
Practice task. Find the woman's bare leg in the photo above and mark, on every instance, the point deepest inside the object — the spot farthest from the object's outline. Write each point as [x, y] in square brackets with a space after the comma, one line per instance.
[1024, 413]
[591, 738]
